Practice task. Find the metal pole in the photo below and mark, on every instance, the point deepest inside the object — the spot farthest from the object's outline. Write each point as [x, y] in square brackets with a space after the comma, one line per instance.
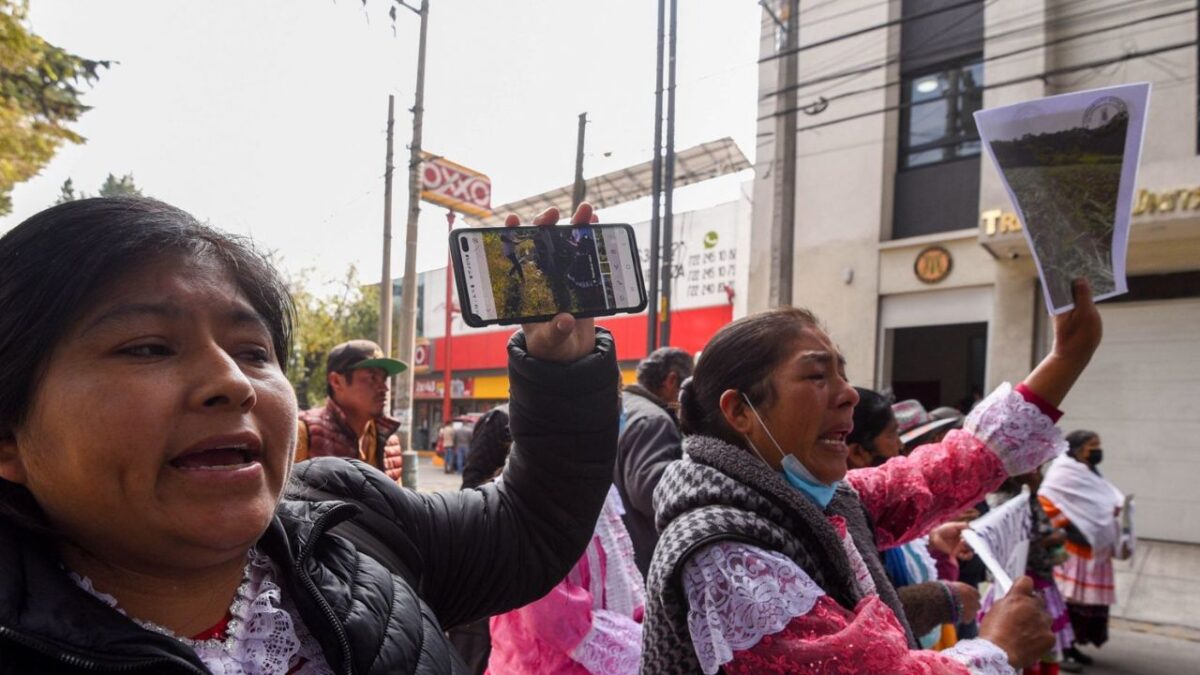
[408, 304]
[446, 408]
[656, 190]
[669, 187]
[580, 192]
[784, 230]
[385, 285]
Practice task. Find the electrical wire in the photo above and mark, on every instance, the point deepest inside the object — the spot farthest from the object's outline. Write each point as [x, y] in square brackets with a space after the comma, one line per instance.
[1122, 7]
[1017, 80]
[868, 29]
[994, 57]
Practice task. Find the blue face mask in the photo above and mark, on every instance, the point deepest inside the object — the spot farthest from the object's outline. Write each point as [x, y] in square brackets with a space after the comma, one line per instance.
[796, 474]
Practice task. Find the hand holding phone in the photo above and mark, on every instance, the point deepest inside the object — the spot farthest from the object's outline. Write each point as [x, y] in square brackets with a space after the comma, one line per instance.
[533, 274]
[564, 338]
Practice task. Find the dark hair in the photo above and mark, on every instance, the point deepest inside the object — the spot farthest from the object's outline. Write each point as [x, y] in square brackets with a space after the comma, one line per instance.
[1079, 438]
[348, 374]
[872, 414]
[653, 370]
[55, 264]
[741, 356]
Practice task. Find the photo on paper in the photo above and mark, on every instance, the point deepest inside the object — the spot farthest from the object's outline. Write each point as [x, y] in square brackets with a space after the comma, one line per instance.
[1069, 164]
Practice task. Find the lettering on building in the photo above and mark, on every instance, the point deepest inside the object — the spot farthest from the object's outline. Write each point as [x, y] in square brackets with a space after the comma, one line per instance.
[999, 222]
[1149, 203]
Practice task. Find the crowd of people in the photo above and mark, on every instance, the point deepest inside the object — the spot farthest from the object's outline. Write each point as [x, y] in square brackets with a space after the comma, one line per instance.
[748, 512]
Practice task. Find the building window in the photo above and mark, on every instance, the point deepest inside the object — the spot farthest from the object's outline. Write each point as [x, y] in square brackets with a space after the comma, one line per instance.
[938, 122]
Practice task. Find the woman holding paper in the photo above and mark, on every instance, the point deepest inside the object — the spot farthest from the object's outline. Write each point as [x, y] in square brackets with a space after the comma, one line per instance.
[767, 560]
[1078, 499]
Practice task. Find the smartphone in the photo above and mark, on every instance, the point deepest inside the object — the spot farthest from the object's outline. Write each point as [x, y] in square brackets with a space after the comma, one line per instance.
[508, 275]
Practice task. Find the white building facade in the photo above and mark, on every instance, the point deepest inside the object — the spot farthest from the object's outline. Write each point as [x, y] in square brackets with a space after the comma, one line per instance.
[904, 241]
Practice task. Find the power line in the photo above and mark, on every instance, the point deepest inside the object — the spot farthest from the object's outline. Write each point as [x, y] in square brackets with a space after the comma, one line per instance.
[1068, 38]
[1019, 80]
[1123, 7]
[868, 29]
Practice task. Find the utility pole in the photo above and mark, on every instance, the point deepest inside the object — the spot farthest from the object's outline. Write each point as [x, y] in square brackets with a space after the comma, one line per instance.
[783, 231]
[580, 192]
[447, 378]
[385, 285]
[408, 309]
[656, 190]
[668, 272]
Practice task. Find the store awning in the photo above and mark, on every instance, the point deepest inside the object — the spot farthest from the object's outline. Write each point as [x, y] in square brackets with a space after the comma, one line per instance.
[696, 164]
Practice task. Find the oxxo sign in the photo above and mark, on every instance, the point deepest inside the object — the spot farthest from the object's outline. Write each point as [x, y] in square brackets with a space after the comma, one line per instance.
[455, 186]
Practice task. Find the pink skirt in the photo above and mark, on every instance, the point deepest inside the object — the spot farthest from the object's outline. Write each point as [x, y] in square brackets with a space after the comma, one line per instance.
[1086, 582]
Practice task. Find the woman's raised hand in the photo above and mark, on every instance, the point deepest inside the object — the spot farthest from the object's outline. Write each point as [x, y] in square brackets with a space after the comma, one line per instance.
[564, 338]
[1076, 336]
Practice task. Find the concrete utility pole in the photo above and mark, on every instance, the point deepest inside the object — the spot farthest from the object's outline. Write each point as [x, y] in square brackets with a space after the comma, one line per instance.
[668, 236]
[580, 192]
[408, 309]
[783, 230]
[656, 189]
[385, 285]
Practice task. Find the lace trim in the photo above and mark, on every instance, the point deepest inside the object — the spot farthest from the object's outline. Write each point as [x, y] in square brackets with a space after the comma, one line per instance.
[981, 657]
[862, 575]
[612, 646]
[1017, 431]
[262, 638]
[737, 594]
[624, 590]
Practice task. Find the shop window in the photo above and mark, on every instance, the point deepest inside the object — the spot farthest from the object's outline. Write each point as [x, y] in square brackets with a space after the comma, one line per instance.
[938, 122]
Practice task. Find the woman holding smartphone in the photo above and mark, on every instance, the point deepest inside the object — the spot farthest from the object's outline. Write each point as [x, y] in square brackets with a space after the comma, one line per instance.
[151, 519]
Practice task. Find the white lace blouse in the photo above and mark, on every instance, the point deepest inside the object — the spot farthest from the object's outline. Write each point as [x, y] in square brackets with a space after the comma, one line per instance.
[265, 635]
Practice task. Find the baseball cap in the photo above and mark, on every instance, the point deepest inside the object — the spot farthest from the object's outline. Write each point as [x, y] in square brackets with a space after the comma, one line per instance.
[357, 354]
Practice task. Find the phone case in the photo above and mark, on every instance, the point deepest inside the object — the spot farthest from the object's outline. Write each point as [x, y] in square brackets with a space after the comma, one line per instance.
[475, 321]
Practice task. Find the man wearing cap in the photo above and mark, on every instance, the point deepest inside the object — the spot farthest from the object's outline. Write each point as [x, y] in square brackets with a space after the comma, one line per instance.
[352, 423]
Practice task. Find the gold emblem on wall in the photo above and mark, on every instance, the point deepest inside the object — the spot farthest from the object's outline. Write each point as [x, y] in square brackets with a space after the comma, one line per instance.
[933, 264]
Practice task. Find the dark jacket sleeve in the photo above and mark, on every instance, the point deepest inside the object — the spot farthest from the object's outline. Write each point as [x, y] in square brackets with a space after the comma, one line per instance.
[479, 552]
[648, 445]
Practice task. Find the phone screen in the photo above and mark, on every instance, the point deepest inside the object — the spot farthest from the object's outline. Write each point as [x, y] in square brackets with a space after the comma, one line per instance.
[512, 274]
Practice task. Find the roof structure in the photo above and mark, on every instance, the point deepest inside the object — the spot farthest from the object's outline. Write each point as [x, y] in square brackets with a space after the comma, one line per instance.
[693, 165]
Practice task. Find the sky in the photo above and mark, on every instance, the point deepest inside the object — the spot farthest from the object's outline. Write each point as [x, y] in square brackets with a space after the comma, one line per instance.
[268, 117]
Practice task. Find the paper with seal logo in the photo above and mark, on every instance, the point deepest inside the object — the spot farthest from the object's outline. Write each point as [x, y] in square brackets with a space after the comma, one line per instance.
[1069, 164]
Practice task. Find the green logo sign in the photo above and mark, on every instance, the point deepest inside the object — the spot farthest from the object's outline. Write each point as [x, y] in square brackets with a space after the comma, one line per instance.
[710, 239]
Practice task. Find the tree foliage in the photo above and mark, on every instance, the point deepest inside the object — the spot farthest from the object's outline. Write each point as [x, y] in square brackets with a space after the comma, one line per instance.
[112, 187]
[40, 85]
[350, 312]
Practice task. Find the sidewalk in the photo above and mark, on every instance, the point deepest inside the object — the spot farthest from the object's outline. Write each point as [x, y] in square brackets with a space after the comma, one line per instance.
[1141, 649]
[1160, 585]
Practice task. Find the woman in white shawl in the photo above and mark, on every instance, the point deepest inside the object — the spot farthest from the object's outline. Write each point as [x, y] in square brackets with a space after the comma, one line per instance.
[1078, 499]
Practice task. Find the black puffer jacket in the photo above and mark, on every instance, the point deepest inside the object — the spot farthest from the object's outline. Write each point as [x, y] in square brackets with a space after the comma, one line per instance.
[454, 557]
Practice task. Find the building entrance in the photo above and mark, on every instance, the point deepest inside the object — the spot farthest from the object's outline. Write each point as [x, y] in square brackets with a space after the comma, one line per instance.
[940, 365]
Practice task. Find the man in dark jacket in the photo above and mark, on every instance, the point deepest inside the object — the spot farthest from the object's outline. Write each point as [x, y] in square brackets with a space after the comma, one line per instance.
[649, 442]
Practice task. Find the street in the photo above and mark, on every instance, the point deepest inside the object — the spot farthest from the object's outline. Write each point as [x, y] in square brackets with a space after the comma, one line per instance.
[1160, 651]
[431, 477]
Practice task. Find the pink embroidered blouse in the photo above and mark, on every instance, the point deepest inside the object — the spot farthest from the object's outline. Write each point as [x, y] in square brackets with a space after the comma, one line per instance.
[752, 610]
[589, 623]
